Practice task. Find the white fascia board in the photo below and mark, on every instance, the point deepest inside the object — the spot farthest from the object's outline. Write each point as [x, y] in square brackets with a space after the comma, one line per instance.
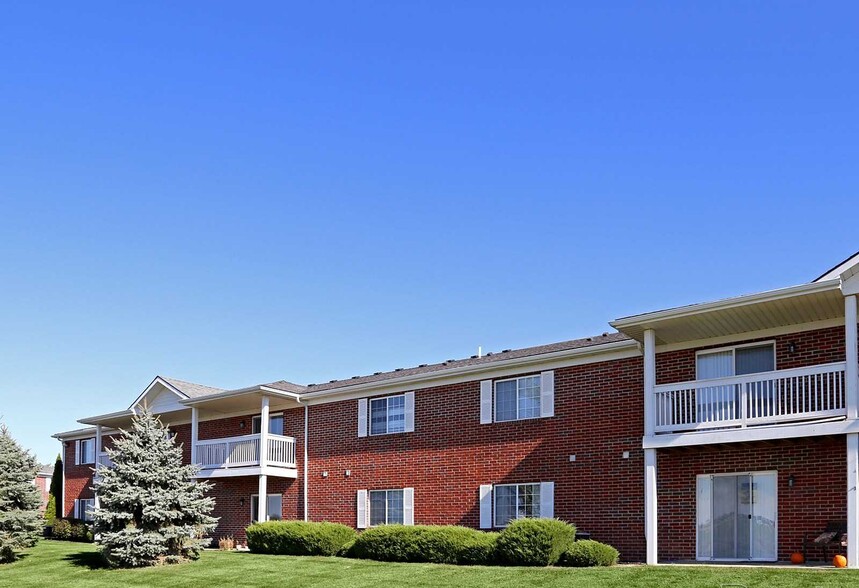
[774, 433]
[82, 434]
[693, 309]
[98, 419]
[591, 354]
[264, 390]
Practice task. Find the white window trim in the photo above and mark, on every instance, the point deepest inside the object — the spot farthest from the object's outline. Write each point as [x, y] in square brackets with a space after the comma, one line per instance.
[495, 498]
[370, 525]
[258, 419]
[81, 454]
[733, 349]
[518, 418]
[267, 496]
[370, 402]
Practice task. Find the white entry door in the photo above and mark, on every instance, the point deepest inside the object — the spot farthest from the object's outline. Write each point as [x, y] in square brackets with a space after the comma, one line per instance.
[737, 517]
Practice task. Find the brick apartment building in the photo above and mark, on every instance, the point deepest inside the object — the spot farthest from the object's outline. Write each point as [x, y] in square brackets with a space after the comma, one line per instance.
[722, 431]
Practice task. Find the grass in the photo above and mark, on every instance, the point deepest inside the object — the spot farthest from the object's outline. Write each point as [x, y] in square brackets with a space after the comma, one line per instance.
[55, 563]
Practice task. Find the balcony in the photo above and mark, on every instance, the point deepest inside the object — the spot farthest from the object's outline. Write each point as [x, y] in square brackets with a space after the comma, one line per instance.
[236, 456]
[791, 396]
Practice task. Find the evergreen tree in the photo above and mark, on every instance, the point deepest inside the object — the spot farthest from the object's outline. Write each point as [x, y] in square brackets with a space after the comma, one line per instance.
[151, 510]
[20, 501]
[56, 490]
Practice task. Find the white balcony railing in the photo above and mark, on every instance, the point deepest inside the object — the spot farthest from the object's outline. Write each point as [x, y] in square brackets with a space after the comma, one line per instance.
[782, 396]
[104, 460]
[233, 452]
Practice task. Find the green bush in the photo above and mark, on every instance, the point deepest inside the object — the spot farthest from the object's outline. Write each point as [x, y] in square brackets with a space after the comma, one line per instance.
[587, 554]
[424, 543]
[50, 515]
[72, 530]
[298, 537]
[534, 542]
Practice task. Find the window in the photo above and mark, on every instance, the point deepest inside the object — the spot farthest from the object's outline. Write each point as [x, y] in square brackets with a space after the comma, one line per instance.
[273, 509]
[386, 507]
[275, 424]
[517, 399]
[516, 501]
[86, 451]
[84, 508]
[388, 415]
[722, 402]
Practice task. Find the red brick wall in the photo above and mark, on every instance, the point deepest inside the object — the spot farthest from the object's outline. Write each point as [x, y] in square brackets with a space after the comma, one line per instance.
[78, 480]
[812, 348]
[450, 454]
[818, 496]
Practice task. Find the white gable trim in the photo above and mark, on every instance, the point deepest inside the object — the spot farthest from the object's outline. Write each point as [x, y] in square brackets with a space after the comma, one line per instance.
[149, 388]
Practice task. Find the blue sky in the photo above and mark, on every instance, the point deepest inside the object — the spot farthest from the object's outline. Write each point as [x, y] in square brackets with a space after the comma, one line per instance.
[235, 193]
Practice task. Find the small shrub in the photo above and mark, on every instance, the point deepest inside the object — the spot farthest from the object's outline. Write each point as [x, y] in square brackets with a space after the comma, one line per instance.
[587, 553]
[72, 530]
[425, 543]
[298, 537]
[226, 543]
[50, 515]
[534, 542]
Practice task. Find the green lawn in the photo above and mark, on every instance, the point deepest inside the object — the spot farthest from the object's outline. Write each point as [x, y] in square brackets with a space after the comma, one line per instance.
[54, 563]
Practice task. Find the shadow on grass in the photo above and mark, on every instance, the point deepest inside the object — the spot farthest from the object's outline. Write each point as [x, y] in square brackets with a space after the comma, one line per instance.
[87, 559]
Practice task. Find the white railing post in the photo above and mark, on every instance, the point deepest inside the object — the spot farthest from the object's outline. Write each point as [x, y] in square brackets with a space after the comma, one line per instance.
[851, 373]
[96, 501]
[744, 404]
[649, 382]
[195, 433]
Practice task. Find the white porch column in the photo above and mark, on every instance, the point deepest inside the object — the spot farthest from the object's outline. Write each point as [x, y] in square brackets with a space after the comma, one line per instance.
[852, 500]
[262, 503]
[649, 381]
[195, 433]
[851, 374]
[97, 458]
[650, 505]
[650, 454]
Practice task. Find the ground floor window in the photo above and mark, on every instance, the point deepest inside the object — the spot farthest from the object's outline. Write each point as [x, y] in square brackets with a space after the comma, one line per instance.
[737, 516]
[386, 507]
[516, 501]
[84, 508]
[273, 509]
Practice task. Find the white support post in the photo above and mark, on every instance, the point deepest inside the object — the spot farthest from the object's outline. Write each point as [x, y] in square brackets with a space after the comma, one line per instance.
[195, 433]
[262, 503]
[851, 374]
[649, 382]
[263, 433]
[650, 505]
[852, 500]
[97, 458]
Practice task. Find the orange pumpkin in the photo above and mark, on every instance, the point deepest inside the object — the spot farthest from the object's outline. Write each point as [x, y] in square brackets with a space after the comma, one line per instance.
[797, 558]
[839, 561]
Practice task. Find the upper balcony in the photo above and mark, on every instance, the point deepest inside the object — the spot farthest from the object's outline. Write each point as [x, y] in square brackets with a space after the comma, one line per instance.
[770, 398]
[244, 451]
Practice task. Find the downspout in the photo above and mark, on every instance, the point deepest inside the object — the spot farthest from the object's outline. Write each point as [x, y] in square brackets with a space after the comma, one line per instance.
[306, 500]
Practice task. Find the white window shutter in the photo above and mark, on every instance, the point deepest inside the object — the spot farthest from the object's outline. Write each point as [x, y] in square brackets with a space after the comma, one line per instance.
[408, 506]
[486, 506]
[547, 500]
[362, 509]
[77, 453]
[362, 417]
[409, 410]
[77, 509]
[485, 402]
[547, 394]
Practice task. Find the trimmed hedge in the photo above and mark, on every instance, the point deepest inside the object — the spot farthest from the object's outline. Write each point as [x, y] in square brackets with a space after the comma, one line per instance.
[425, 543]
[72, 530]
[298, 537]
[587, 553]
[534, 542]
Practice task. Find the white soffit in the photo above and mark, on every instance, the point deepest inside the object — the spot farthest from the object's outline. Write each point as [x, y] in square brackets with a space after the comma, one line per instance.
[796, 305]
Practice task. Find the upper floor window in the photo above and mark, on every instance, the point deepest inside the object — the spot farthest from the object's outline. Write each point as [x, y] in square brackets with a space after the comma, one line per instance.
[388, 415]
[275, 424]
[85, 451]
[517, 399]
[735, 361]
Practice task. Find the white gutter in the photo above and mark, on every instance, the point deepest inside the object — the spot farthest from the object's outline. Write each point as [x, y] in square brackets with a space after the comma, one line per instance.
[241, 392]
[692, 309]
[595, 349]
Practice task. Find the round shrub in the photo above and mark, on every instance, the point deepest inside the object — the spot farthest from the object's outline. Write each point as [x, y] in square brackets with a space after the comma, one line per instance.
[534, 542]
[425, 543]
[587, 554]
[298, 537]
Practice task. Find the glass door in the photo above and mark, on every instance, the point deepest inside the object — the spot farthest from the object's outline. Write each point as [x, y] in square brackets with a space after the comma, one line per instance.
[736, 517]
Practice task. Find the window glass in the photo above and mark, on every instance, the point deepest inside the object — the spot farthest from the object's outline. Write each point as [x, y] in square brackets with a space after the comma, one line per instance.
[275, 425]
[378, 503]
[505, 400]
[505, 505]
[388, 415]
[379, 416]
[516, 501]
[529, 397]
[87, 454]
[396, 414]
[386, 507]
[274, 507]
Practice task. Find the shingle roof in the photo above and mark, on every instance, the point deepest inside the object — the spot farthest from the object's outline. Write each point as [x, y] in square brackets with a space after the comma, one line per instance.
[190, 389]
[287, 386]
[489, 358]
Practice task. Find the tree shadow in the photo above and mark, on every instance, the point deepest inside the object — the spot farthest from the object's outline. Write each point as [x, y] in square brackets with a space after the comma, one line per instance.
[87, 559]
